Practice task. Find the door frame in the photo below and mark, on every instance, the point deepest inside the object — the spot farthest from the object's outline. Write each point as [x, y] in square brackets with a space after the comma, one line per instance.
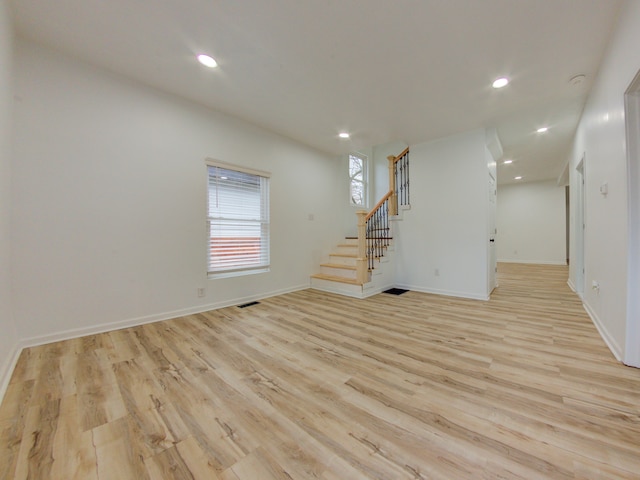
[579, 227]
[632, 125]
[492, 255]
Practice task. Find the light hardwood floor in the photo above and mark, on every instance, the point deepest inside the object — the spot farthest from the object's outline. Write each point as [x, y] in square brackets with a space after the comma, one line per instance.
[314, 385]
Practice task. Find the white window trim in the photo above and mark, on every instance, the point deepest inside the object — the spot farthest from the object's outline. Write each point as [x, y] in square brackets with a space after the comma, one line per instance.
[210, 162]
[365, 179]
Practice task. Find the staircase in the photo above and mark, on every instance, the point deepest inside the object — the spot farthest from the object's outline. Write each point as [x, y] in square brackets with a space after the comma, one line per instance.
[340, 273]
[361, 266]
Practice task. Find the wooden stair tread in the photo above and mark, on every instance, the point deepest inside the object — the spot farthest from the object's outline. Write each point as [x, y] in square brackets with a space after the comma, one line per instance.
[347, 255]
[335, 278]
[338, 265]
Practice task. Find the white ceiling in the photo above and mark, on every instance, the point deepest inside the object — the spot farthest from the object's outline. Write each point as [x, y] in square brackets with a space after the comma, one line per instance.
[401, 70]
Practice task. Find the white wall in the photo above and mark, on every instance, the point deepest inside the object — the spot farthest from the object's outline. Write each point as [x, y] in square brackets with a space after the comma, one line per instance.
[446, 228]
[532, 223]
[110, 201]
[601, 138]
[8, 336]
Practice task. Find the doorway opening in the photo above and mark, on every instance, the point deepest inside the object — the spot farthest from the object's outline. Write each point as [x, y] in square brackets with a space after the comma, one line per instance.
[632, 120]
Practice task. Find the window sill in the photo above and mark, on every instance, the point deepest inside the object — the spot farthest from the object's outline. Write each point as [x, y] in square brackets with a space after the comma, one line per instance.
[237, 273]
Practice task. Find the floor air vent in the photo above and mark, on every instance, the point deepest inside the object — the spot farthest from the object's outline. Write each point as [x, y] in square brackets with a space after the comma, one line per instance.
[396, 291]
[245, 305]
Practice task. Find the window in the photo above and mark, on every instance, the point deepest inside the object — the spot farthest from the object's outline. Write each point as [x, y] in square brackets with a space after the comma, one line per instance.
[357, 175]
[238, 220]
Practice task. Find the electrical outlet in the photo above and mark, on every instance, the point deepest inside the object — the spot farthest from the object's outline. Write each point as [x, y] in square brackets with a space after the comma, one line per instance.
[437, 272]
[201, 292]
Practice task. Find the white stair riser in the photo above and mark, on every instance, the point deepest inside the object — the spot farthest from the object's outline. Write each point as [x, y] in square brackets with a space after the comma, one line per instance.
[339, 272]
[336, 287]
[343, 260]
[350, 249]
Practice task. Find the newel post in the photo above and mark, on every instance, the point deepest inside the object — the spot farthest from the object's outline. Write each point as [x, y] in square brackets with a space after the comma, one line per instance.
[361, 261]
[393, 200]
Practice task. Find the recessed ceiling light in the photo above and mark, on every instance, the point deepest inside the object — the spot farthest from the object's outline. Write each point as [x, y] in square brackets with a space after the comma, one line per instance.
[500, 82]
[343, 135]
[207, 61]
[518, 178]
[507, 162]
[542, 129]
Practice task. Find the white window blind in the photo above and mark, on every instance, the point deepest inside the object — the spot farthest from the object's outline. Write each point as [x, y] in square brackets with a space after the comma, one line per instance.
[238, 220]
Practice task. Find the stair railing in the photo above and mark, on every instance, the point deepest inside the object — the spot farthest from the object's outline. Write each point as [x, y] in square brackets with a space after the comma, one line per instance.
[399, 180]
[374, 232]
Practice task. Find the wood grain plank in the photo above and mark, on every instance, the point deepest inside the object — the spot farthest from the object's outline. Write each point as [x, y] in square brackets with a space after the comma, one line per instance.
[35, 457]
[73, 451]
[99, 399]
[119, 452]
[12, 424]
[315, 385]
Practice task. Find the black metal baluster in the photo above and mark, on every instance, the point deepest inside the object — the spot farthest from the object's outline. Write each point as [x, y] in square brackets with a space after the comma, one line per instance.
[369, 222]
[403, 181]
[373, 239]
[386, 223]
[376, 243]
[406, 180]
[398, 183]
[407, 189]
[401, 194]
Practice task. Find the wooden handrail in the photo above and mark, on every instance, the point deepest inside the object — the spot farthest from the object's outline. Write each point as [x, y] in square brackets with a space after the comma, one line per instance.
[398, 157]
[378, 205]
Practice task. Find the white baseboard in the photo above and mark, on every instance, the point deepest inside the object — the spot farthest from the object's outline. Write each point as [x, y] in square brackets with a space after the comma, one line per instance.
[604, 333]
[446, 293]
[376, 290]
[632, 353]
[535, 262]
[326, 287]
[133, 322]
[7, 370]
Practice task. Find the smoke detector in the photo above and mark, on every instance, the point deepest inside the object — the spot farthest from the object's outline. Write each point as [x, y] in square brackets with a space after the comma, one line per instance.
[577, 79]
